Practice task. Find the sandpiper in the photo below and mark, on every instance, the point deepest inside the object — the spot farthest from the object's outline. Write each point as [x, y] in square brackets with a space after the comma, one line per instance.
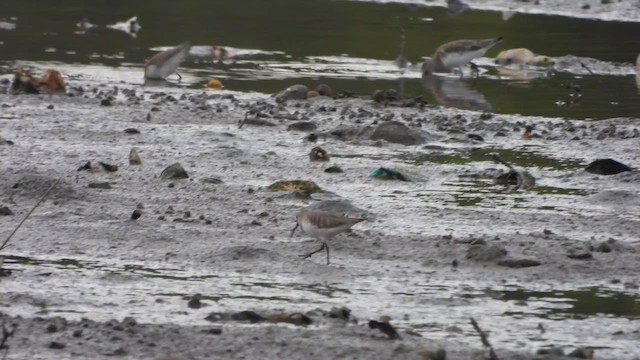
[165, 63]
[323, 225]
[457, 53]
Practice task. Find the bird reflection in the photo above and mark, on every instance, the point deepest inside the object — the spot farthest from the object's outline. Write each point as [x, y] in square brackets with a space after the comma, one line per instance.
[456, 7]
[455, 92]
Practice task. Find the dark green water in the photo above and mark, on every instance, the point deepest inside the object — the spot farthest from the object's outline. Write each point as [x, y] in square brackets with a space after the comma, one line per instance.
[354, 32]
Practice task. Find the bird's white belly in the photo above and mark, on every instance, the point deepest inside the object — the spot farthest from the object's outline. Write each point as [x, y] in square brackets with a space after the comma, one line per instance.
[455, 59]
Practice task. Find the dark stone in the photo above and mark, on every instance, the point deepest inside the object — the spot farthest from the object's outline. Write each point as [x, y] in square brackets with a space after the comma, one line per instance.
[378, 96]
[335, 169]
[175, 171]
[294, 92]
[131, 131]
[580, 255]
[136, 214]
[51, 328]
[210, 180]
[77, 333]
[102, 185]
[582, 353]
[129, 321]
[302, 126]
[105, 102]
[385, 327]
[606, 167]
[257, 122]
[475, 137]
[214, 331]
[603, 247]
[194, 302]
[56, 345]
[5, 211]
[340, 313]
[249, 315]
[50, 107]
[518, 263]
[399, 133]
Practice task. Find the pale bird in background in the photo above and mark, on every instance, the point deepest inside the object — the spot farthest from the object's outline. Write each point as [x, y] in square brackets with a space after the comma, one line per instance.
[456, 7]
[166, 62]
[457, 53]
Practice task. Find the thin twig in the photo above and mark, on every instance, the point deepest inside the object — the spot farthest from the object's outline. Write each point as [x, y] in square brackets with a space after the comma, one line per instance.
[586, 67]
[4, 244]
[485, 340]
[244, 121]
[6, 334]
[499, 159]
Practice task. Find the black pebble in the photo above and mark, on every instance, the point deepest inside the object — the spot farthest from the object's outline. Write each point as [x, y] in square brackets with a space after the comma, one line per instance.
[136, 214]
[56, 345]
[606, 167]
[386, 328]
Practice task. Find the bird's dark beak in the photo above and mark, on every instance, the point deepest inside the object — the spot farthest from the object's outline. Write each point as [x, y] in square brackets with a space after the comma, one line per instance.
[294, 230]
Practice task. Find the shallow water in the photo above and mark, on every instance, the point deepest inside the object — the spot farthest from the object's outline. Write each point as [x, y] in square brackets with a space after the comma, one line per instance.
[349, 45]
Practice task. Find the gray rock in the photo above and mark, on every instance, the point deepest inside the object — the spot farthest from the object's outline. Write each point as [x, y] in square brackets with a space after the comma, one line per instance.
[399, 133]
[302, 126]
[293, 92]
[175, 171]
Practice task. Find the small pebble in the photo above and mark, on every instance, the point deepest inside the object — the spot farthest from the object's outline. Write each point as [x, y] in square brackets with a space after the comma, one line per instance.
[136, 214]
[56, 345]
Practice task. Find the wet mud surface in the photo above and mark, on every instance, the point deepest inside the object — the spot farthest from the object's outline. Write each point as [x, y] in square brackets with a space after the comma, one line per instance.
[434, 252]
[124, 264]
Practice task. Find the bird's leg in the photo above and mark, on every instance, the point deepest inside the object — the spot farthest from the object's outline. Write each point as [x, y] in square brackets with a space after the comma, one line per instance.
[474, 69]
[326, 246]
[294, 229]
[179, 77]
[313, 252]
[461, 73]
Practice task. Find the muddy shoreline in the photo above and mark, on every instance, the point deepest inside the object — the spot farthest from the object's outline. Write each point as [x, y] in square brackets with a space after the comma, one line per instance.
[81, 256]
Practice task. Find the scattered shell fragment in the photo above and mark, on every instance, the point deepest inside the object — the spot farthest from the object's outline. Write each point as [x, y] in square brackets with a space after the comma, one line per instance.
[175, 171]
[134, 157]
[288, 185]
